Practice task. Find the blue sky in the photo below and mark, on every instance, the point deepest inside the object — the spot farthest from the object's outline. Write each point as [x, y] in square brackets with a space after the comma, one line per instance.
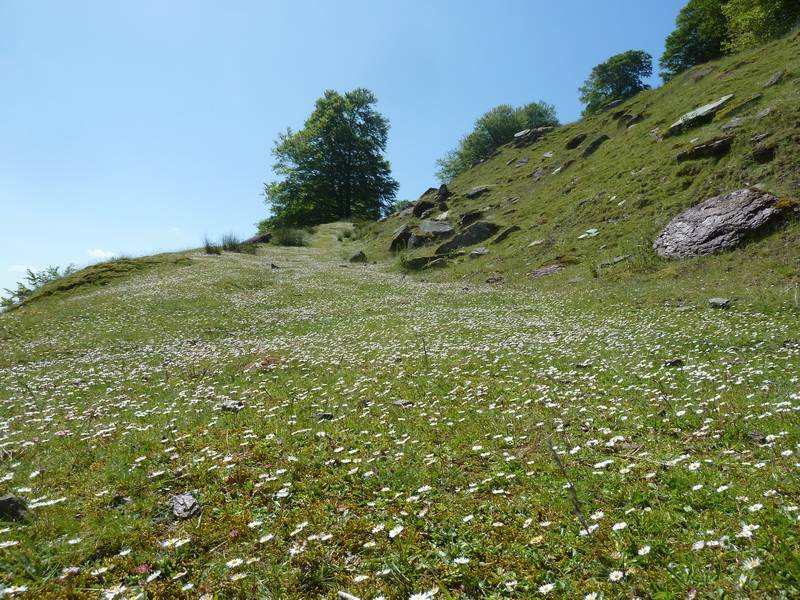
[136, 127]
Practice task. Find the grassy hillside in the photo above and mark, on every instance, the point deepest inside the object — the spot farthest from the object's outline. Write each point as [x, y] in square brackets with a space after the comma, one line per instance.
[358, 431]
[633, 184]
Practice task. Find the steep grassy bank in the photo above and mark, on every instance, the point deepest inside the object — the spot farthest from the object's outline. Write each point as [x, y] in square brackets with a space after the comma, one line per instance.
[633, 184]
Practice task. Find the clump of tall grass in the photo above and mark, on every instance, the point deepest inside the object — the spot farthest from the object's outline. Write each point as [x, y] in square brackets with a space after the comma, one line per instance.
[229, 243]
[211, 247]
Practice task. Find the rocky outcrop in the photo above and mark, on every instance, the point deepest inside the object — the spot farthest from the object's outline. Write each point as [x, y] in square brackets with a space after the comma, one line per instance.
[474, 234]
[698, 116]
[712, 148]
[477, 191]
[717, 224]
[468, 218]
[505, 234]
[261, 238]
[576, 141]
[592, 148]
[400, 238]
[359, 257]
[526, 137]
[437, 229]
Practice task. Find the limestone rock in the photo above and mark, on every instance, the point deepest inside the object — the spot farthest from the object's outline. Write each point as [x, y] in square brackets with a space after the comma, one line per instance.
[359, 257]
[717, 224]
[698, 116]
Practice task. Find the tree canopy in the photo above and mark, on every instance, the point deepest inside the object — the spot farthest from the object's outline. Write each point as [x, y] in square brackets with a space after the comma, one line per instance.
[754, 22]
[493, 129]
[333, 168]
[700, 32]
[618, 78]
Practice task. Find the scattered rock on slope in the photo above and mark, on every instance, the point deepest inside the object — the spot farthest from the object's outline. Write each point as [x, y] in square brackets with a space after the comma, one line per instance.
[13, 508]
[717, 224]
[576, 141]
[698, 116]
[400, 238]
[184, 506]
[436, 228]
[359, 257]
[474, 234]
[775, 79]
[505, 234]
[592, 148]
[712, 148]
[528, 136]
[477, 191]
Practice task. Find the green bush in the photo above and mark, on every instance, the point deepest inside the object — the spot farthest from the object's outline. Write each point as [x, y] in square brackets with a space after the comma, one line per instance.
[33, 281]
[289, 236]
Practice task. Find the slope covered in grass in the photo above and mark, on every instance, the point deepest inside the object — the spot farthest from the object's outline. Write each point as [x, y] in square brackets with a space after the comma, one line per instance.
[396, 437]
[633, 184]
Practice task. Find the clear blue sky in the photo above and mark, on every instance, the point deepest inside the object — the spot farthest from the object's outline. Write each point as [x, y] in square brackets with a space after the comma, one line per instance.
[133, 127]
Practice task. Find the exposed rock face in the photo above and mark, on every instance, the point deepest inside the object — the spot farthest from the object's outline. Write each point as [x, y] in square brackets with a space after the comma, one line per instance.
[478, 252]
[505, 234]
[698, 116]
[528, 136]
[468, 218]
[591, 148]
[474, 234]
[763, 153]
[775, 79]
[400, 238]
[545, 271]
[719, 302]
[437, 229]
[359, 257]
[262, 238]
[477, 191]
[13, 508]
[712, 148]
[717, 224]
[576, 141]
[184, 506]
[421, 206]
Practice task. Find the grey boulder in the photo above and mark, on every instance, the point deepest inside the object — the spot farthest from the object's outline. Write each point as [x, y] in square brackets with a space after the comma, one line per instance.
[184, 506]
[359, 257]
[717, 224]
[474, 234]
[477, 191]
[13, 508]
[436, 228]
[698, 116]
